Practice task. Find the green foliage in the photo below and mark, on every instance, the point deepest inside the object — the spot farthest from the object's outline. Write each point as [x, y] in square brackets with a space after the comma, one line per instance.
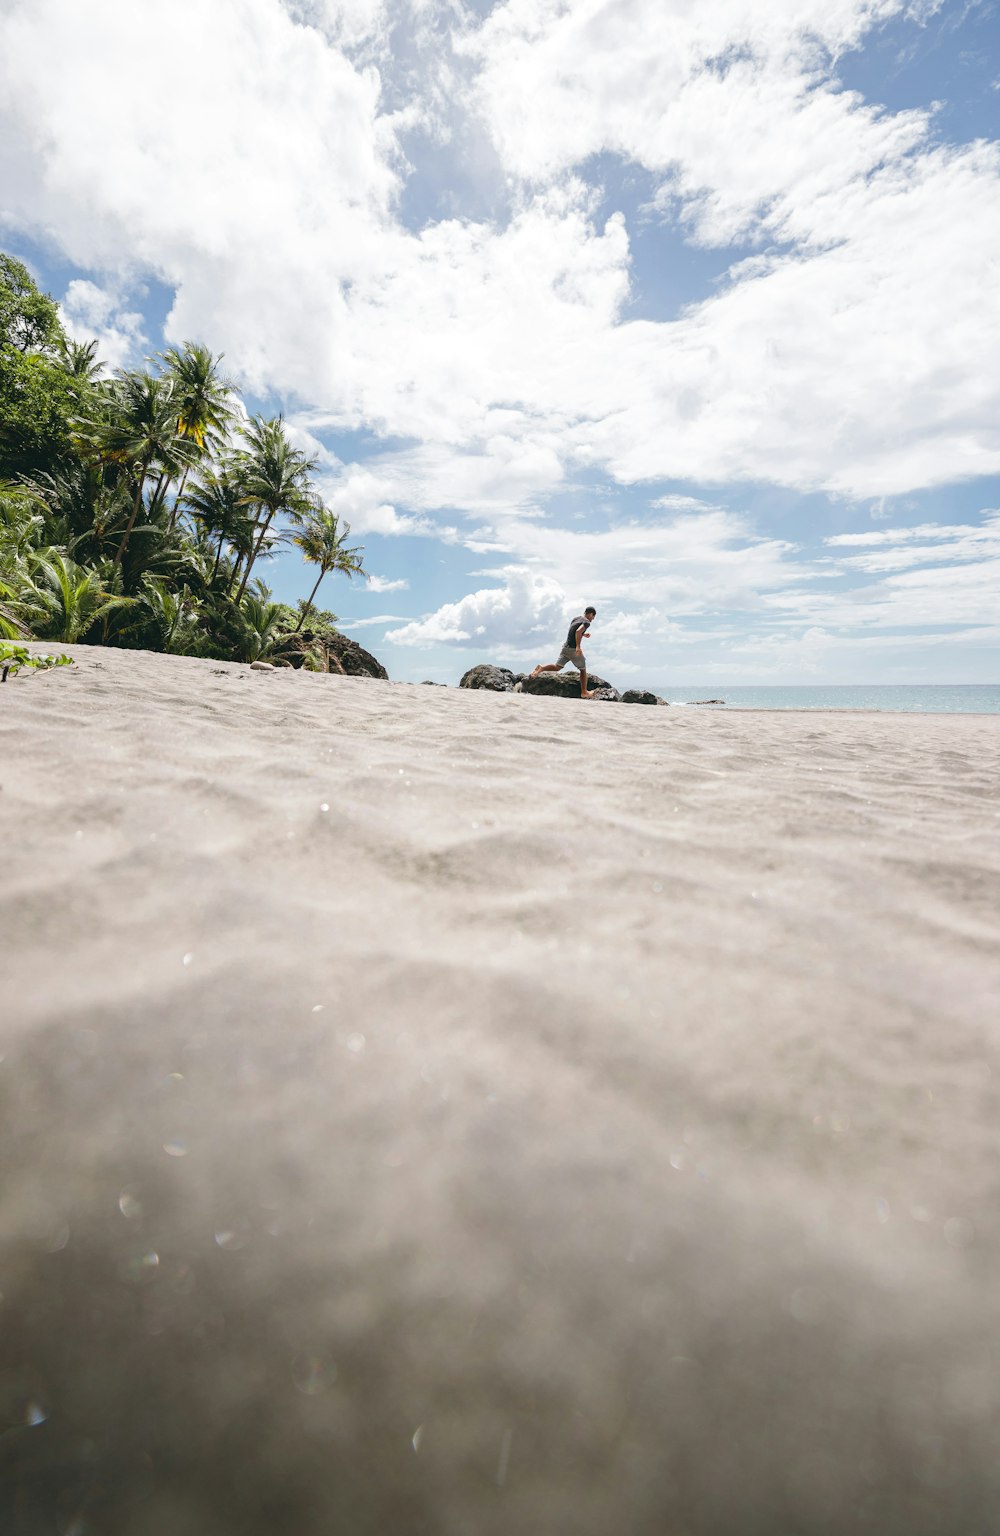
[60, 600]
[172, 616]
[36, 405]
[262, 623]
[322, 539]
[134, 510]
[29, 319]
[37, 397]
[14, 657]
[22, 519]
[317, 620]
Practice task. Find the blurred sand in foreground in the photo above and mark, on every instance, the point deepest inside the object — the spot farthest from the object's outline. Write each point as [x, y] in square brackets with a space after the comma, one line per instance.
[472, 1114]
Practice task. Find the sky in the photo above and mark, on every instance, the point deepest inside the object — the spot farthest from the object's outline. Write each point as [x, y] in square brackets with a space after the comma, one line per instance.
[686, 309]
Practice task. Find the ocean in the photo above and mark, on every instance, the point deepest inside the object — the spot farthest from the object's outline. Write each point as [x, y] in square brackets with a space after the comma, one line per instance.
[935, 699]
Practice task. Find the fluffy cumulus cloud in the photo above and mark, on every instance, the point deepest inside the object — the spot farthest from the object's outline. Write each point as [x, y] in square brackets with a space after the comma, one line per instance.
[93, 313]
[272, 199]
[641, 575]
[527, 608]
[697, 587]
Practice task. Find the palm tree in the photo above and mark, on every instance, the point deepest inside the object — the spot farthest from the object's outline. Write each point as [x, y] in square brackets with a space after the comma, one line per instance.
[217, 501]
[173, 615]
[275, 478]
[60, 600]
[321, 539]
[261, 621]
[80, 360]
[22, 518]
[134, 424]
[204, 412]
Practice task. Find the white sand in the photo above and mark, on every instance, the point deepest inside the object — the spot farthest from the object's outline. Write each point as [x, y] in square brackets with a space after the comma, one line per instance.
[472, 1114]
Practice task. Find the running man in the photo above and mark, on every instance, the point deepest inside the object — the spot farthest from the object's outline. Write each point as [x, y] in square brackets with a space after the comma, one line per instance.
[572, 652]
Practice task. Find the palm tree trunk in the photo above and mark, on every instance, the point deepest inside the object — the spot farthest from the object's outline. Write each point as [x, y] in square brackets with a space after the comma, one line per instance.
[120, 552]
[309, 604]
[240, 557]
[218, 557]
[256, 551]
[180, 493]
[159, 488]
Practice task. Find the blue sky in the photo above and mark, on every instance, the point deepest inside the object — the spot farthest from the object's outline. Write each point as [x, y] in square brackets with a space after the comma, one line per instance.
[689, 312]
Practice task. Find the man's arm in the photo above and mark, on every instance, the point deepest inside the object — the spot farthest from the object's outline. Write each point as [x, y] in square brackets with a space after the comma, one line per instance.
[581, 630]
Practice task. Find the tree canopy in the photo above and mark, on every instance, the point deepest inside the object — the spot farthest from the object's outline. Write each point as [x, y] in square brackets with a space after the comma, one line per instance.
[37, 393]
[137, 509]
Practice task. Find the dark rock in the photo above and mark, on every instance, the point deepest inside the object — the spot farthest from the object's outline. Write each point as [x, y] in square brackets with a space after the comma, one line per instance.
[497, 679]
[566, 685]
[326, 651]
[605, 695]
[429, 682]
[303, 648]
[641, 696]
[708, 701]
[353, 658]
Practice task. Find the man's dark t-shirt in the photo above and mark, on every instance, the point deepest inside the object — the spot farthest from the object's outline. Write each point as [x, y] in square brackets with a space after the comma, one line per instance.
[571, 637]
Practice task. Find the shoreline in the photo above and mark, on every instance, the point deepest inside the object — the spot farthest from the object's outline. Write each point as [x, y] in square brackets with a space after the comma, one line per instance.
[706, 704]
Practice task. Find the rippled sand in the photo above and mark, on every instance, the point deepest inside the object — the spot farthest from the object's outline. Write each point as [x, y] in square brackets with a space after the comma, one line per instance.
[470, 1114]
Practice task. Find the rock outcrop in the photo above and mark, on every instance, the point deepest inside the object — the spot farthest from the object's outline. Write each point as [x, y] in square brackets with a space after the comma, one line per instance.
[326, 652]
[553, 685]
[566, 685]
[557, 685]
[304, 648]
[496, 679]
[353, 658]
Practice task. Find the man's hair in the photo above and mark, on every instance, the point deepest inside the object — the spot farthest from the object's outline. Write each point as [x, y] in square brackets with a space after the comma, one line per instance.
[590, 610]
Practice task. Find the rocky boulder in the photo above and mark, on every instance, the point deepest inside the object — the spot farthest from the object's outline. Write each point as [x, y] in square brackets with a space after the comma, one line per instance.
[305, 649]
[353, 658]
[566, 685]
[326, 651]
[496, 679]
[553, 685]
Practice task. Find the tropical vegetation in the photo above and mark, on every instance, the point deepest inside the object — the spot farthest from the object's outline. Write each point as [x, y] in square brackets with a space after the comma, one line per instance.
[139, 508]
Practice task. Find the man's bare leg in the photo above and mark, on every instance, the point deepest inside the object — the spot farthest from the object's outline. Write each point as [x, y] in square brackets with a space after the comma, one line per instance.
[549, 666]
[583, 686]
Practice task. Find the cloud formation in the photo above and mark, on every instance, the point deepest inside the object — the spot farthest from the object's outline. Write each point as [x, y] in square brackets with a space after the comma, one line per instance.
[526, 609]
[271, 199]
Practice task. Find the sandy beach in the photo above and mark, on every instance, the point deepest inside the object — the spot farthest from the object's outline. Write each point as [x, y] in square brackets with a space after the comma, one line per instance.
[429, 1111]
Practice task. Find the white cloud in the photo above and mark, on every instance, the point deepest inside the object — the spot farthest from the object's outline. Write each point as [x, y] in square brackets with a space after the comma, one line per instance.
[358, 496]
[930, 544]
[269, 197]
[634, 574]
[378, 618]
[383, 584]
[92, 313]
[527, 609]
[943, 532]
[682, 565]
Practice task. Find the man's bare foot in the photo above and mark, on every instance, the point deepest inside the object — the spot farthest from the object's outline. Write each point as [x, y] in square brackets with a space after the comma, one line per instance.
[589, 695]
[536, 672]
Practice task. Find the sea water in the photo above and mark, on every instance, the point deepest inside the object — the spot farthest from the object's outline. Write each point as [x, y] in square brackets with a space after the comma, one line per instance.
[932, 699]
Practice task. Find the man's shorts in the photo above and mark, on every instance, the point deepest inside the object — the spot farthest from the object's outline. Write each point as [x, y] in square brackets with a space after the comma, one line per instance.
[575, 658]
